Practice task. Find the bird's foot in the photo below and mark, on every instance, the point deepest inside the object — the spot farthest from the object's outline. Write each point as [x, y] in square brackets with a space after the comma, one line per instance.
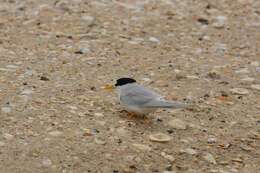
[131, 115]
[147, 120]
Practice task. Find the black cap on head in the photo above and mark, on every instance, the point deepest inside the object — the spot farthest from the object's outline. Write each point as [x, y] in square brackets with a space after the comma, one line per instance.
[124, 81]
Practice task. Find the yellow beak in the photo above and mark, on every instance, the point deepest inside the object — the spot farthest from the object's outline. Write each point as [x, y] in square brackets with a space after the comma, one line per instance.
[109, 87]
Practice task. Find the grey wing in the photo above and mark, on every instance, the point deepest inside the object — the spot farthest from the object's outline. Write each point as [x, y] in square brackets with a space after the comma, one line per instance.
[138, 95]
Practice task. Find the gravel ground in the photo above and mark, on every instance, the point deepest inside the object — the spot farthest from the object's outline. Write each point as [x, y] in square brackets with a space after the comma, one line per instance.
[57, 56]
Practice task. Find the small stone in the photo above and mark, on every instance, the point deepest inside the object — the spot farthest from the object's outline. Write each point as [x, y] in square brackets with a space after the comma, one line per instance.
[142, 147]
[82, 50]
[220, 22]
[55, 133]
[189, 151]
[192, 77]
[206, 37]
[242, 71]
[203, 21]
[153, 39]
[2, 144]
[6, 109]
[255, 63]
[212, 140]
[89, 20]
[177, 124]
[233, 170]
[146, 79]
[256, 86]
[136, 40]
[46, 162]
[28, 72]
[12, 66]
[223, 162]
[214, 75]
[44, 78]
[239, 91]
[160, 137]
[8, 136]
[257, 69]
[210, 158]
[246, 147]
[167, 156]
[220, 48]
[248, 80]
[237, 160]
[129, 170]
[87, 132]
[27, 92]
[99, 141]
[98, 114]
[225, 145]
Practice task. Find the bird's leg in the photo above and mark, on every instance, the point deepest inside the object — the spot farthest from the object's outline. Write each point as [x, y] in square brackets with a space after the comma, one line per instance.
[146, 120]
[131, 115]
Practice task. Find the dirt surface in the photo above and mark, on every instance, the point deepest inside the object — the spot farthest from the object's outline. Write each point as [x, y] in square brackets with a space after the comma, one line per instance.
[57, 56]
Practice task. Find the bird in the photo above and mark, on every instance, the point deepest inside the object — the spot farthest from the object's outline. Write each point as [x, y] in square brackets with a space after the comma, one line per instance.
[139, 100]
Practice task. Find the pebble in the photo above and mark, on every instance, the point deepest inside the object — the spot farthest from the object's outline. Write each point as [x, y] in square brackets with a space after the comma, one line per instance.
[136, 40]
[142, 147]
[83, 50]
[7, 70]
[167, 156]
[160, 137]
[237, 160]
[220, 48]
[155, 40]
[146, 79]
[27, 92]
[8, 136]
[28, 72]
[210, 158]
[212, 139]
[98, 114]
[220, 22]
[203, 21]
[214, 74]
[12, 66]
[206, 37]
[239, 91]
[257, 69]
[6, 109]
[256, 86]
[192, 77]
[242, 71]
[55, 133]
[189, 151]
[2, 144]
[46, 162]
[246, 147]
[248, 79]
[255, 63]
[177, 124]
[89, 20]
[99, 141]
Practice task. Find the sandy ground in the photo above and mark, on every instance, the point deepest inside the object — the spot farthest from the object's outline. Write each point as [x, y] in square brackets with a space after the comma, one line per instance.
[57, 56]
